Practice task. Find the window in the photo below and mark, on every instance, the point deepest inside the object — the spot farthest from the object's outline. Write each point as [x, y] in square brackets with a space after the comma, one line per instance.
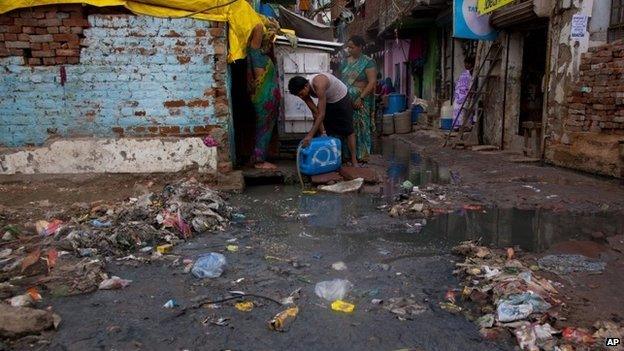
[616, 25]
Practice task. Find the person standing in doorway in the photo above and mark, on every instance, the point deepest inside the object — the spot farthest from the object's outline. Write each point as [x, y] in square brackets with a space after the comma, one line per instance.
[359, 73]
[264, 90]
[462, 86]
[334, 113]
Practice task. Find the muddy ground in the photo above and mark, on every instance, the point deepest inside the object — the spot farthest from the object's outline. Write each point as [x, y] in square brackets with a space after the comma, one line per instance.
[536, 209]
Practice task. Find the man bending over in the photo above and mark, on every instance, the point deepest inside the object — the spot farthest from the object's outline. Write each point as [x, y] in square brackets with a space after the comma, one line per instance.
[334, 112]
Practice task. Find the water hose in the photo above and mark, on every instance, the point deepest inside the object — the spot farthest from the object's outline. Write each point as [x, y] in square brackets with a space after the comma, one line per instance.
[299, 169]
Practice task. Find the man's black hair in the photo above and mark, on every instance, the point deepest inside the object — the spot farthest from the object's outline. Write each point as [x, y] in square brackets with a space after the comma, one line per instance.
[296, 84]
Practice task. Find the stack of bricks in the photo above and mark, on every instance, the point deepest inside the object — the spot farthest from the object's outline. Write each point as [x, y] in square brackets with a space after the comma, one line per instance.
[596, 101]
[43, 35]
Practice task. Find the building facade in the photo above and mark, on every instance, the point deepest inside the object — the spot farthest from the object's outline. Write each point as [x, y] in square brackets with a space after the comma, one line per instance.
[554, 91]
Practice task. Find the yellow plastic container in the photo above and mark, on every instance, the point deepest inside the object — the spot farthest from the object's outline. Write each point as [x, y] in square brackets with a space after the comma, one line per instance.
[164, 249]
[342, 306]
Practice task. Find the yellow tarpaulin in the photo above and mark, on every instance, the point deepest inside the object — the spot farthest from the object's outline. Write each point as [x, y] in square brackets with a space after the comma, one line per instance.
[487, 6]
[239, 15]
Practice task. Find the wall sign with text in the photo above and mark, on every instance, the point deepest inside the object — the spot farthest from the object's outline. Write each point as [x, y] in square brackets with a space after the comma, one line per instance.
[469, 24]
[487, 6]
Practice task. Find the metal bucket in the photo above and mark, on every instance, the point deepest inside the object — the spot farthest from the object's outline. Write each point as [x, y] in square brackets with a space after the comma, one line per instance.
[403, 122]
[388, 124]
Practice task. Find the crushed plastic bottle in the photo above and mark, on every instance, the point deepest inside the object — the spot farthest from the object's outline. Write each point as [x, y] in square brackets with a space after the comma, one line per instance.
[282, 320]
[342, 306]
[332, 290]
[209, 265]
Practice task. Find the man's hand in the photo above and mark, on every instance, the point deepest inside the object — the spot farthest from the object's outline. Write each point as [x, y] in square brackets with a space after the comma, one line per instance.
[306, 141]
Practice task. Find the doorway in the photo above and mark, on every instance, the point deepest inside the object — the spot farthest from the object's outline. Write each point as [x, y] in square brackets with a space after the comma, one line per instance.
[531, 79]
[244, 117]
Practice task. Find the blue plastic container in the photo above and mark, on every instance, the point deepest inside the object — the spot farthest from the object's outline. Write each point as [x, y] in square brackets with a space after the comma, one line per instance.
[416, 111]
[323, 155]
[446, 123]
[396, 104]
[267, 11]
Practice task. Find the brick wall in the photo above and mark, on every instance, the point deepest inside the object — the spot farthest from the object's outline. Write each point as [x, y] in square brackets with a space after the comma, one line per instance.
[45, 35]
[110, 76]
[596, 101]
[363, 21]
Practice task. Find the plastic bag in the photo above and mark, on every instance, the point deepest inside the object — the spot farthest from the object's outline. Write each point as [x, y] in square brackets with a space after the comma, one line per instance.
[332, 290]
[209, 265]
[114, 283]
[508, 312]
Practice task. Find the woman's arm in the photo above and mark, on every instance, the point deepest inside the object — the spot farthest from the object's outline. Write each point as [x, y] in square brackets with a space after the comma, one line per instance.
[371, 75]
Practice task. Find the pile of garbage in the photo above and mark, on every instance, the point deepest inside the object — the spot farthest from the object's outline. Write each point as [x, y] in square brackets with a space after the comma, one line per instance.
[502, 295]
[66, 255]
[181, 209]
[421, 202]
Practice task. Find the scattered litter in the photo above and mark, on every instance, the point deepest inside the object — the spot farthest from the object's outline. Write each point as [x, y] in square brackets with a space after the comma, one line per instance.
[290, 300]
[171, 304]
[608, 329]
[532, 188]
[114, 283]
[407, 185]
[507, 294]
[342, 306]
[344, 187]
[566, 264]
[486, 321]
[147, 249]
[404, 307]
[164, 249]
[45, 228]
[450, 296]
[221, 321]
[244, 306]
[450, 307]
[34, 294]
[577, 335]
[332, 290]
[5, 253]
[232, 248]
[284, 319]
[21, 301]
[376, 301]
[238, 217]
[209, 265]
[339, 266]
[506, 312]
[99, 224]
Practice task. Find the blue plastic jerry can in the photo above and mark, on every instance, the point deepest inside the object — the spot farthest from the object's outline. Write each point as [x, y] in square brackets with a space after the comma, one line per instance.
[323, 155]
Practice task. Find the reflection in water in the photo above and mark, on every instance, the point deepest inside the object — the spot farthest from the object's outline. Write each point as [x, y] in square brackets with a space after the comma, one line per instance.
[325, 210]
[405, 164]
[532, 230]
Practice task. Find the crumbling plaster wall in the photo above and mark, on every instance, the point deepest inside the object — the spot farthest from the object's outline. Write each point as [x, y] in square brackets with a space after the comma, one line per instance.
[565, 56]
[595, 149]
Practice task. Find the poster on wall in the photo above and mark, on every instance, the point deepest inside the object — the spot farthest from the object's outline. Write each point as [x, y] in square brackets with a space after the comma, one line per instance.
[487, 6]
[579, 26]
[469, 24]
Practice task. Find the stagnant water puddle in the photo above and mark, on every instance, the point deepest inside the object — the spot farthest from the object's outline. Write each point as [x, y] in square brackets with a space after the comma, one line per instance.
[405, 164]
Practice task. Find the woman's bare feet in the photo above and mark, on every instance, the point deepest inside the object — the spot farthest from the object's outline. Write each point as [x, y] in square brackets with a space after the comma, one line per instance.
[265, 165]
